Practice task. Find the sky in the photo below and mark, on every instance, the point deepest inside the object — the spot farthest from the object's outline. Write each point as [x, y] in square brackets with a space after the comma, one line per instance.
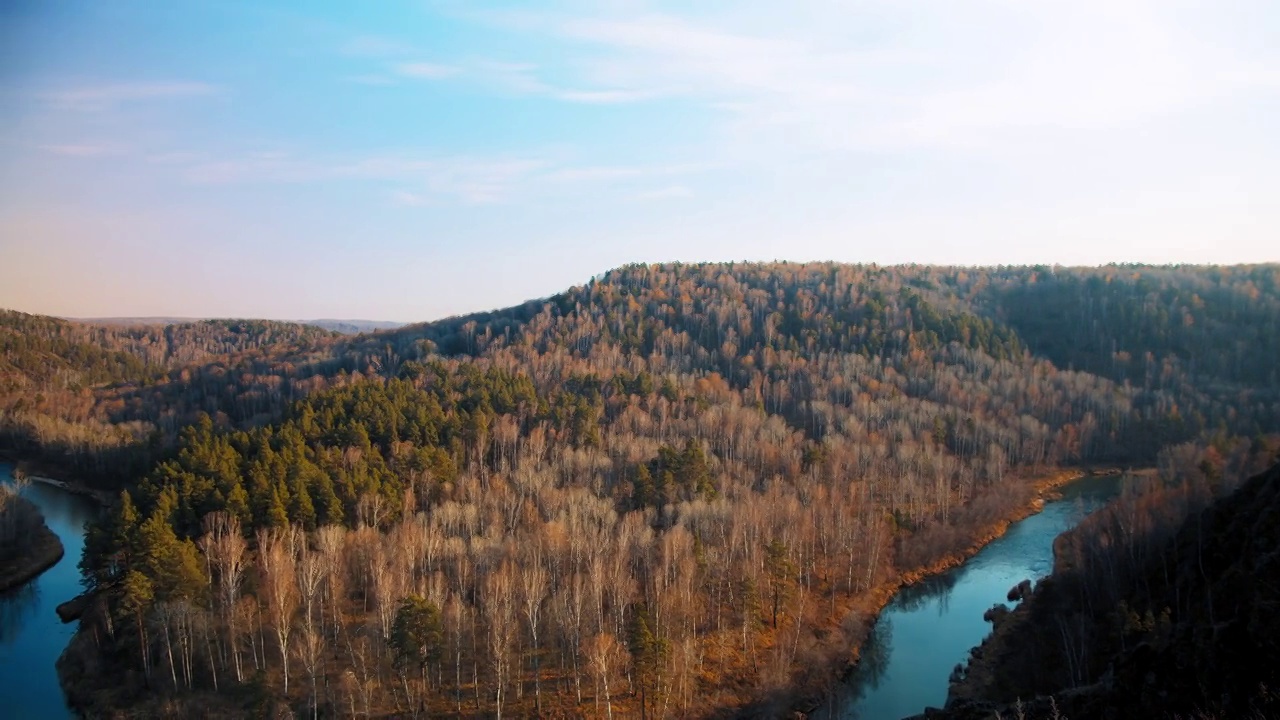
[413, 160]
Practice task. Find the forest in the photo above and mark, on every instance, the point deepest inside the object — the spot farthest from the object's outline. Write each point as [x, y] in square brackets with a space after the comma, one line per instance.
[674, 491]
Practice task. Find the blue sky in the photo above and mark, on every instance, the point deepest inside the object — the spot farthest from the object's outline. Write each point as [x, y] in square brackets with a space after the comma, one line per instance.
[411, 160]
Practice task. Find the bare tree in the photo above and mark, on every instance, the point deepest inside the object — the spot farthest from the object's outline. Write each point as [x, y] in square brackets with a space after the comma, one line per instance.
[311, 649]
[331, 544]
[225, 548]
[604, 656]
[276, 561]
[310, 569]
[534, 582]
[500, 608]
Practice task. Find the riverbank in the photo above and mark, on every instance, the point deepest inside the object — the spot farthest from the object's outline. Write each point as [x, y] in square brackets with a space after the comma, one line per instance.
[50, 475]
[1045, 489]
[861, 614]
[1112, 629]
[33, 642]
[54, 475]
[43, 551]
[98, 496]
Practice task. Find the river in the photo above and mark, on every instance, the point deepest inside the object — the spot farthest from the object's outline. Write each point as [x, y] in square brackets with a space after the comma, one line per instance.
[929, 627]
[31, 635]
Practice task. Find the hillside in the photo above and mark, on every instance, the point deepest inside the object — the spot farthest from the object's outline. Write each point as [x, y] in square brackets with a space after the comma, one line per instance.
[723, 467]
[1176, 342]
[61, 384]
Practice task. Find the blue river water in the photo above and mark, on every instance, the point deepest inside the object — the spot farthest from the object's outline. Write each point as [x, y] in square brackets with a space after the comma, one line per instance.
[31, 634]
[930, 627]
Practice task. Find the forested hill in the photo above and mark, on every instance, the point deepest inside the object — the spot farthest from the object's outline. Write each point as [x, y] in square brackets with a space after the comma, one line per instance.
[1188, 347]
[44, 349]
[1184, 349]
[716, 463]
[61, 382]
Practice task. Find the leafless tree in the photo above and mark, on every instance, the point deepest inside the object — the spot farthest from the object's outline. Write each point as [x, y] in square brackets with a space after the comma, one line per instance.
[276, 562]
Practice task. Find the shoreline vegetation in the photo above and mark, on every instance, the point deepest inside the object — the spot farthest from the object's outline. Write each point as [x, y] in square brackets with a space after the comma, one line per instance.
[865, 608]
[98, 496]
[46, 474]
[1129, 611]
[868, 613]
[799, 700]
[45, 549]
[27, 546]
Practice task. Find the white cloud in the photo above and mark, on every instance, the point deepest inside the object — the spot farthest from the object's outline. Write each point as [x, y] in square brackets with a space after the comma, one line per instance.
[877, 75]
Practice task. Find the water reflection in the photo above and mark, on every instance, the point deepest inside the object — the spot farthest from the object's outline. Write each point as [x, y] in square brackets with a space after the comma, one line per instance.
[936, 588]
[16, 607]
[875, 658]
[31, 635]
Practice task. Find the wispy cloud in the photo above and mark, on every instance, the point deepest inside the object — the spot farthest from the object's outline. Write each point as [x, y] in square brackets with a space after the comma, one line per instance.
[467, 180]
[518, 78]
[605, 173]
[876, 75]
[604, 97]
[107, 95]
[402, 60]
[85, 150]
[404, 198]
[430, 180]
[426, 71]
[668, 192]
[370, 79]
[175, 157]
[376, 46]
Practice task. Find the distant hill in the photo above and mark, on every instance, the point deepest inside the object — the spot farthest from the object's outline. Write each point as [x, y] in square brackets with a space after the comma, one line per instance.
[1126, 359]
[346, 327]
[354, 327]
[135, 321]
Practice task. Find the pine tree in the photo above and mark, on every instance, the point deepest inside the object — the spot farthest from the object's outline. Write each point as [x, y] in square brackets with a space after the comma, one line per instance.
[276, 515]
[301, 510]
[110, 546]
[648, 655]
[417, 637]
[238, 503]
[780, 568]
